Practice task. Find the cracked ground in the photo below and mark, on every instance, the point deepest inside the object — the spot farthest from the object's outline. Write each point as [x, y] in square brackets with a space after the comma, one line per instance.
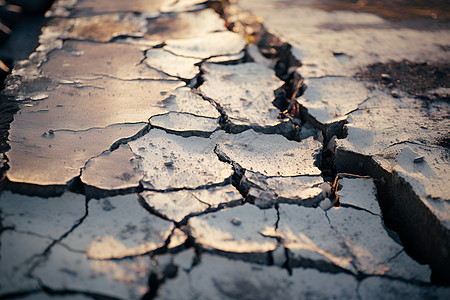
[228, 150]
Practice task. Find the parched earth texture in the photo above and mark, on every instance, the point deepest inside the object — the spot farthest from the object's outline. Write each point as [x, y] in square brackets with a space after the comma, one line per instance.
[220, 150]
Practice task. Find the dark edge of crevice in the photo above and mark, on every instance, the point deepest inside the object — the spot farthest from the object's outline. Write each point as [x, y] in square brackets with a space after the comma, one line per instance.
[405, 213]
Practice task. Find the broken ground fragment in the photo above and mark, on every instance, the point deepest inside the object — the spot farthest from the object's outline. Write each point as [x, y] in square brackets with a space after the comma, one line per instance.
[30, 225]
[210, 44]
[185, 124]
[41, 156]
[17, 253]
[184, 25]
[341, 42]
[171, 64]
[183, 100]
[330, 99]
[245, 91]
[217, 277]
[358, 193]
[374, 251]
[67, 270]
[239, 229]
[270, 155]
[103, 28]
[87, 60]
[179, 204]
[81, 105]
[310, 239]
[107, 6]
[301, 190]
[171, 161]
[376, 287]
[113, 170]
[45, 217]
[118, 227]
[383, 121]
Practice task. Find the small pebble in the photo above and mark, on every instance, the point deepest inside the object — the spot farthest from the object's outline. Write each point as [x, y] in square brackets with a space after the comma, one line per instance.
[395, 94]
[236, 221]
[386, 77]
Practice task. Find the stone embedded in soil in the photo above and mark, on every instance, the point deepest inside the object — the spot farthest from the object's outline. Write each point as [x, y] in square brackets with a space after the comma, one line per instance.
[245, 91]
[186, 124]
[66, 270]
[184, 100]
[237, 229]
[210, 44]
[217, 277]
[184, 25]
[374, 250]
[117, 227]
[113, 170]
[307, 235]
[171, 64]
[86, 60]
[330, 99]
[179, 204]
[171, 161]
[376, 287]
[359, 192]
[40, 157]
[270, 155]
[46, 217]
[301, 190]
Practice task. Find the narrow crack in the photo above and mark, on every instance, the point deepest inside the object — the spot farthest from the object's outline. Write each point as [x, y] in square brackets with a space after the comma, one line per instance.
[40, 258]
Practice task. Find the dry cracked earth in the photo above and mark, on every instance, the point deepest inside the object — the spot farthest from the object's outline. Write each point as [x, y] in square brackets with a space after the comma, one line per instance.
[215, 150]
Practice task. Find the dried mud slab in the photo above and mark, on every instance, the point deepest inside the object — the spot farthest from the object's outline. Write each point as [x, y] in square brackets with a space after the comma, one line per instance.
[184, 25]
[358, 193]
[171, 161]
[341, 42]
[245, 91]
[126, 279]
[113, 170]
[301, 190]
[217, 277]
[184, 100]
[185, 124]
[210, 44]
[171, 64]
[106, 6]
[178, 205]
[331, 99]
[29, 225]
[270, 155]
[104, 28]
[41, 157]
[239, 229]
[118, 227]
[86, 60]
[308, 236]
[81, 105]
